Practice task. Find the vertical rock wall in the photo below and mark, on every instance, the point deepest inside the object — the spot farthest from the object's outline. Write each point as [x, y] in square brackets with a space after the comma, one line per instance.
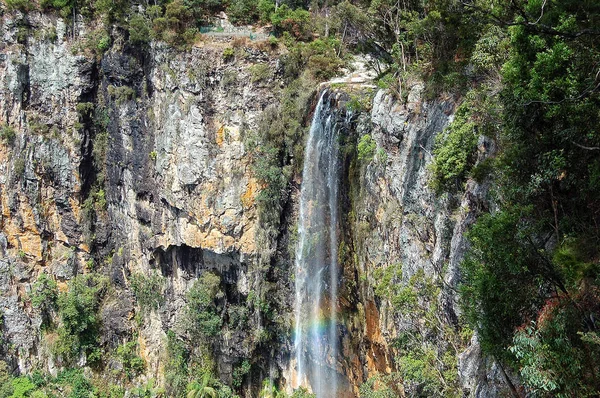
[162, 185]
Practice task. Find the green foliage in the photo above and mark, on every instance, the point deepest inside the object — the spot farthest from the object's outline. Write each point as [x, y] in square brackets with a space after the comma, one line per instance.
[44, 294]
[320, 58]
[360, 102]
[295, 22]
[242, 11]
[85, 108]
[265, 9]
[6, 386]
[19, 166]
[228, 54]
[80, 386]
[139, 32]
[260, 73]
[99, 150]
[121, 94]
[147, 390]
[176, 25]
[80, 323]
[240, 372]
[103, 43]
[133, 364]
[499, 289]
[428, 349]
[366, 149]
[491, 50]
[176, 371]
[202, 316]
[22, 5]
[277, 141]
[8, 134]
[455, 152]
[208, 387]
[147, 290]
[302, 393]
[380, 387]
[536, 257]
[553, 359]
[22, 387]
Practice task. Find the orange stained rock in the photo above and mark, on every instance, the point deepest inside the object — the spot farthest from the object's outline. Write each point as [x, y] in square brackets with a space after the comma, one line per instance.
[26, 238]
[377, 358]
[249, 195]
[220, 135]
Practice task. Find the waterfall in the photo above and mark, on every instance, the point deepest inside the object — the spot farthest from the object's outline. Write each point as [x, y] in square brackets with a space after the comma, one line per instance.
[315, 332]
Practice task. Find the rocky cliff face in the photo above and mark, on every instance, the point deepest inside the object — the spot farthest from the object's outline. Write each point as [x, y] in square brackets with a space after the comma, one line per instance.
[407, 244]
[153, 141]
[134, 162]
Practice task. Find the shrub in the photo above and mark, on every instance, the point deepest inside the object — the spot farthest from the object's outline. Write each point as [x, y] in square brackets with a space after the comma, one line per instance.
[133, 364]
[21, 5]
[176, 371]
[319, 57]
[455, 152]
[229, 78]
[121, 94]
[296, 22]
[240, 372]
[8, 134]
[302, 393]
[260, 72]
[265, 9]
[147, 290]
[366, 148]
[76, 380]
[22, 387]
[19, 167]
[380, 386]
[43, 296]
[103, 43]
[6, 387]
[228, 54]
[78, 311]
[201, 310]
[139, 32]
[242, 11]
[85, 108]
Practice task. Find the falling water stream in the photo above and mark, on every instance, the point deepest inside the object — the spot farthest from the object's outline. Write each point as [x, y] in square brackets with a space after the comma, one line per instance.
[315, 337]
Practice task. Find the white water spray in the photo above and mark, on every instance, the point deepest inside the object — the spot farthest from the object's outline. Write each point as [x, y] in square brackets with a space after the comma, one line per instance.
[315, 332]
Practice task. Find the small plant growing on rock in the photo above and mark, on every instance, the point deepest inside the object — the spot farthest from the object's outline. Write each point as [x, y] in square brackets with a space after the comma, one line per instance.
[146, 290]
[133, 364]
[259, 73]
[228, 54]
[366, 148]
[8, 134]
[121, 94]
[80, 323]
[85, 108]
[44, 294]
[201, 314]
[21, 5]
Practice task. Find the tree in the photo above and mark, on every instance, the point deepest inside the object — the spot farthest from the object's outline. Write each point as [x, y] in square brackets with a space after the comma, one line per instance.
[532, 278]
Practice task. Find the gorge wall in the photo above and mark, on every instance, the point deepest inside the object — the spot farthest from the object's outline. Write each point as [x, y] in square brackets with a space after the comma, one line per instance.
[136, 164]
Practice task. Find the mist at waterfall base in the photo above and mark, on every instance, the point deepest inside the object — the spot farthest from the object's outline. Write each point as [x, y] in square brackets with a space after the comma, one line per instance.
[316, 281]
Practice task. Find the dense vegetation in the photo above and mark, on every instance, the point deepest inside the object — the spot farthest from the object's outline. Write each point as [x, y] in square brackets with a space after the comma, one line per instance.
[531, 278]
[527, 73]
